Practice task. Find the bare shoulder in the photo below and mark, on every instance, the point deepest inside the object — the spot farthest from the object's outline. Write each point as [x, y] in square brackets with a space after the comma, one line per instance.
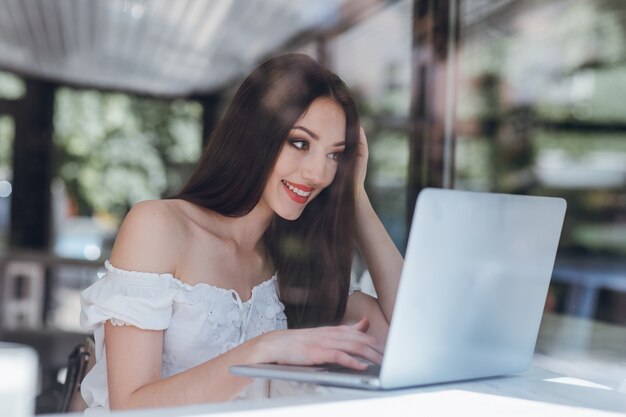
[150, 237]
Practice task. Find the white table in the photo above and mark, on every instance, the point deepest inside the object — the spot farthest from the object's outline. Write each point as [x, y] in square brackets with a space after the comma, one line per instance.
[535, 393]
[570, 346]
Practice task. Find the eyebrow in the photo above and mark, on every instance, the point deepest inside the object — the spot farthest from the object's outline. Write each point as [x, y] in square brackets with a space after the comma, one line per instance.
[315, 136]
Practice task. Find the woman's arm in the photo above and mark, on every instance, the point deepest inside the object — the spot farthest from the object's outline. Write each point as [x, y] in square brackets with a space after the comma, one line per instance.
[383, 259]
[134, 363]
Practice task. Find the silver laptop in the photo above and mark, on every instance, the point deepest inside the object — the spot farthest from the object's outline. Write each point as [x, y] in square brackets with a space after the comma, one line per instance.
[471, 295]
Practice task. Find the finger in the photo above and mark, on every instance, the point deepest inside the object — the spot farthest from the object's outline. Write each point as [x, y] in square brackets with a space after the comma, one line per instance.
[362, 138]
[348, 334]
[369, 340]
[358, 349]
[361, 325]
[332, 339]
[329, 335]
[342, 358]
[358, 324]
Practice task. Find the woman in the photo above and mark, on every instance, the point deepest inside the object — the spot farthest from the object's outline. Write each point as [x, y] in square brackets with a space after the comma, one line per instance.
[274, 207]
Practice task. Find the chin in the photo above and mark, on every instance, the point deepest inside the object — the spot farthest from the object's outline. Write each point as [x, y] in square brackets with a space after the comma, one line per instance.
[289, 216]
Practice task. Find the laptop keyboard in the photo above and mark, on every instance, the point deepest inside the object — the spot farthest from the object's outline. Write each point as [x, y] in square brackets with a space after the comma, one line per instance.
[373, 370]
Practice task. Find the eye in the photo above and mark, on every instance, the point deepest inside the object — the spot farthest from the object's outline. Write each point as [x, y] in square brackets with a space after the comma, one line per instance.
[299, 144]
[335, 155]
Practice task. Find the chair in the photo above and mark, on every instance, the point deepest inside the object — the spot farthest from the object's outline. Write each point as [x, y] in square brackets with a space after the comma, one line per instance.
[80, 361]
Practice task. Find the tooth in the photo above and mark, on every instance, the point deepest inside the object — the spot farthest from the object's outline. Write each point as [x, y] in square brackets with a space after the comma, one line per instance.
[296, 190]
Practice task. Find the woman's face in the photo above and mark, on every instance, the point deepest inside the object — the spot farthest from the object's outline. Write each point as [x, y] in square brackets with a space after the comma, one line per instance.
[308, 160]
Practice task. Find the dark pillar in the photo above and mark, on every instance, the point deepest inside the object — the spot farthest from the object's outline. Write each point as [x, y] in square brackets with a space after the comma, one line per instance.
[211, 106]
[8, 107]
[32, 168]
[435, 36]
[323, 54]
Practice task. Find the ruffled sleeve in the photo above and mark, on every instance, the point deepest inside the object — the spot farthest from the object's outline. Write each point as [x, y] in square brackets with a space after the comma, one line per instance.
[140, 299]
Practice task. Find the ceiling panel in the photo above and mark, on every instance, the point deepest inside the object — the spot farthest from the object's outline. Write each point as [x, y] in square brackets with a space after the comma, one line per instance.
[160, 47]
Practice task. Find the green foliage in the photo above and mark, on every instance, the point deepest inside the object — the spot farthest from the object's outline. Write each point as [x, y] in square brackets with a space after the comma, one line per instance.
[7, 132]
[11, 87]
[580, 144]
[115, 150]
[389, 158]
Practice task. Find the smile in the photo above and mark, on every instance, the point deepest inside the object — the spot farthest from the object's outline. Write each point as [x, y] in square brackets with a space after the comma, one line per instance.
[298, 193]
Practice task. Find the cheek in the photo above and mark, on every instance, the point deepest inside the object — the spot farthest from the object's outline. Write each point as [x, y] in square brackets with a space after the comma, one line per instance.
[331, 173]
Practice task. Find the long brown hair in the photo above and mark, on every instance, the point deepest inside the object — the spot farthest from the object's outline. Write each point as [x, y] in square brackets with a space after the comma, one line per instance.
[313, 254]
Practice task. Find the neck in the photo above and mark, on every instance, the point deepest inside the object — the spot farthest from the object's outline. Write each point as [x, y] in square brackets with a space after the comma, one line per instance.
[247, 231]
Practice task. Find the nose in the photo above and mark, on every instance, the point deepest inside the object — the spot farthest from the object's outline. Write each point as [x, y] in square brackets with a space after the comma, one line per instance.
[313, 170]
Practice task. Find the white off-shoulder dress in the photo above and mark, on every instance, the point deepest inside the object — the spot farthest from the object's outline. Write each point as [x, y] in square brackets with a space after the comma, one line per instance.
[199, 322]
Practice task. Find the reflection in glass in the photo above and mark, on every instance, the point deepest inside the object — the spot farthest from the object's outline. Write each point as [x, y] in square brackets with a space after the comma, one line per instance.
[7, 133]
[114, 150]
[540, 111]
[374, 58]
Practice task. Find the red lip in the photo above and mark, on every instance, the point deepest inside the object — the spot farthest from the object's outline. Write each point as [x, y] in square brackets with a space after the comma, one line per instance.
[295, 197]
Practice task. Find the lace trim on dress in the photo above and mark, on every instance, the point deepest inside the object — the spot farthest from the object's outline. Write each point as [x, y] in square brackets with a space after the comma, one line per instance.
[122, 297]
[179, 283]
[119, 323]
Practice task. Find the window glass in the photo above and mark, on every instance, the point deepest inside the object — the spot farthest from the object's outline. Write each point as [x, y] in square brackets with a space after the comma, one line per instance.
[7, 132]
[540, 112]
[112, 151]
[374, 59]
[11, 88]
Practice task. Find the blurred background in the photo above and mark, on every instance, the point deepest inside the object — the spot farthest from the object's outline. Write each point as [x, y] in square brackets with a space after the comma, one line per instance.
[105, 103]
